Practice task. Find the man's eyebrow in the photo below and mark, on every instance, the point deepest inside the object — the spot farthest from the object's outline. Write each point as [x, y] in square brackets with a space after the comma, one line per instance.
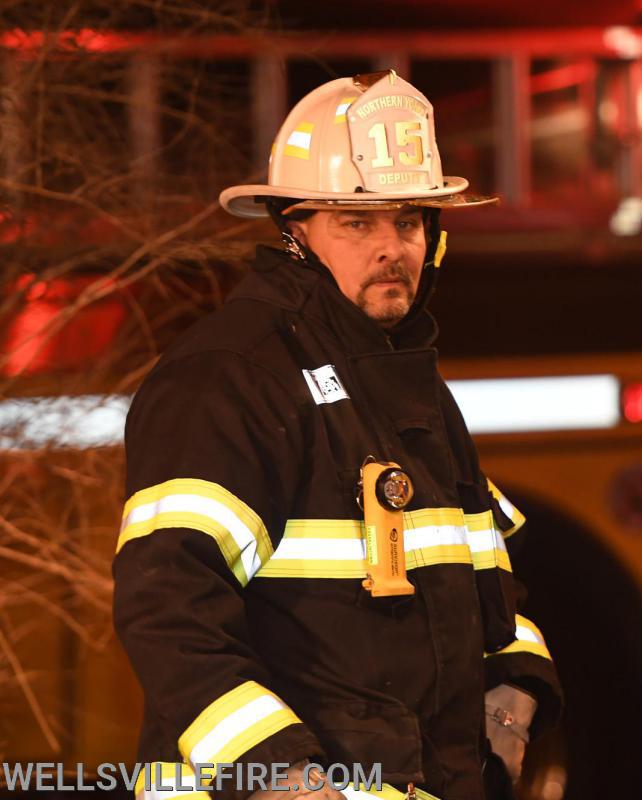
[348, 213]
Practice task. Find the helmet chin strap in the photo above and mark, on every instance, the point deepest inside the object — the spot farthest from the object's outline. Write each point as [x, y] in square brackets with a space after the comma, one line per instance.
[433, 229]
[293, 246]
[435, 250]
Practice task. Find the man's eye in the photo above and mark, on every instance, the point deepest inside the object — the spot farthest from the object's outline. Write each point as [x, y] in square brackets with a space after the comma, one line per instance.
[356, 224]
[405, 224]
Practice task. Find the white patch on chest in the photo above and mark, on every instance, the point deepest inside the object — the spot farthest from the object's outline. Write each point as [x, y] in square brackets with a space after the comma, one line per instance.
[325, 385]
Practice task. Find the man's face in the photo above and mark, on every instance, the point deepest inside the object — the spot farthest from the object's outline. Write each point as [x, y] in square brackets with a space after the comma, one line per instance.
[376, 257]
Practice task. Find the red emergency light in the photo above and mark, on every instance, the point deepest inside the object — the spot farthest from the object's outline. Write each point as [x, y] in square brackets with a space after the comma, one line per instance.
[34, 341]
[632, 402]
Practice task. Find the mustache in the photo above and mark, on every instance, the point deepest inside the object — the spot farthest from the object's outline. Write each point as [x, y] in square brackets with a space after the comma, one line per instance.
[394, 272]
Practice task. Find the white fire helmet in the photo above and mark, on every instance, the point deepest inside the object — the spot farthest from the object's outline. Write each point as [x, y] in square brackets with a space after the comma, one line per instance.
[362, 143]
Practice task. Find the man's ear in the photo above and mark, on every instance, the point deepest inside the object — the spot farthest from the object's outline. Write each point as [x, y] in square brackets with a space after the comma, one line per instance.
[299, 231]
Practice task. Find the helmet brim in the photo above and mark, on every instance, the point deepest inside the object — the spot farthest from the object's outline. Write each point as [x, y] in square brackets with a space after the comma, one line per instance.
[249, 200]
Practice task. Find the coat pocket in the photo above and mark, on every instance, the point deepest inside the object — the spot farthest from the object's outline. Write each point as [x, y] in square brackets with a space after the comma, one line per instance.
[425, 455]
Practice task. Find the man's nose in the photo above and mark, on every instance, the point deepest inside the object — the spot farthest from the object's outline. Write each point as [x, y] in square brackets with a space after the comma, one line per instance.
[389, 245]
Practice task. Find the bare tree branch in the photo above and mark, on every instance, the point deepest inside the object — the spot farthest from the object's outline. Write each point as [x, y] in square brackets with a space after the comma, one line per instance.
[112, 242]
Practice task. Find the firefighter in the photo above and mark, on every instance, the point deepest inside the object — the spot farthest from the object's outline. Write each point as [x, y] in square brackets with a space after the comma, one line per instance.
[271, 451]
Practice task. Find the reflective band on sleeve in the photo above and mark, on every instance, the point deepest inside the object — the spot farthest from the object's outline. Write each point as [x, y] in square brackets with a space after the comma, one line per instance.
[234, 724]
[206, 507]
[509, 509]
[336, 548]
[529, 640]
[164, 781]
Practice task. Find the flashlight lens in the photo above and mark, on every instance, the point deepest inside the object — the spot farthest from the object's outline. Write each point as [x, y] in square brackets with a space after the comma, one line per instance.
[394, 489]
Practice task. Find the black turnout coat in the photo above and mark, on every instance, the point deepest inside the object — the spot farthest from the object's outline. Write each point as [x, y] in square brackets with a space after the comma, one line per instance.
[238, 574]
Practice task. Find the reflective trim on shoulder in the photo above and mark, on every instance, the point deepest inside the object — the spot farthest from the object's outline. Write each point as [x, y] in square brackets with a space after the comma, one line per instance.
[529, 640]
[336, 548]
[234, 724]
[161, 780]
[508, 508]
[206, 507]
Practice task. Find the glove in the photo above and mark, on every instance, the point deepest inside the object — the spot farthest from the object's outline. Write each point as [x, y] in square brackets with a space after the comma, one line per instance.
[509, 712]
[295, 777]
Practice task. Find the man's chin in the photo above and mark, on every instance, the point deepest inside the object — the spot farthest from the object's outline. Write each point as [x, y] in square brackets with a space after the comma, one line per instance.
[388, 313]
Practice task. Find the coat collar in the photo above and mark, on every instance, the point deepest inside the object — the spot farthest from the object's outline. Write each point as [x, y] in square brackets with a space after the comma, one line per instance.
[309, 288]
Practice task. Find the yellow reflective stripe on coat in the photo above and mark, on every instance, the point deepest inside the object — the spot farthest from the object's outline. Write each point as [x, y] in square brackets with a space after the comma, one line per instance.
[386, 792]
[486, 542]
[508, 508]
[529, 640]
[234, 724]
[206, 507]
[162, 779]
[448, 536]
[336, 548]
